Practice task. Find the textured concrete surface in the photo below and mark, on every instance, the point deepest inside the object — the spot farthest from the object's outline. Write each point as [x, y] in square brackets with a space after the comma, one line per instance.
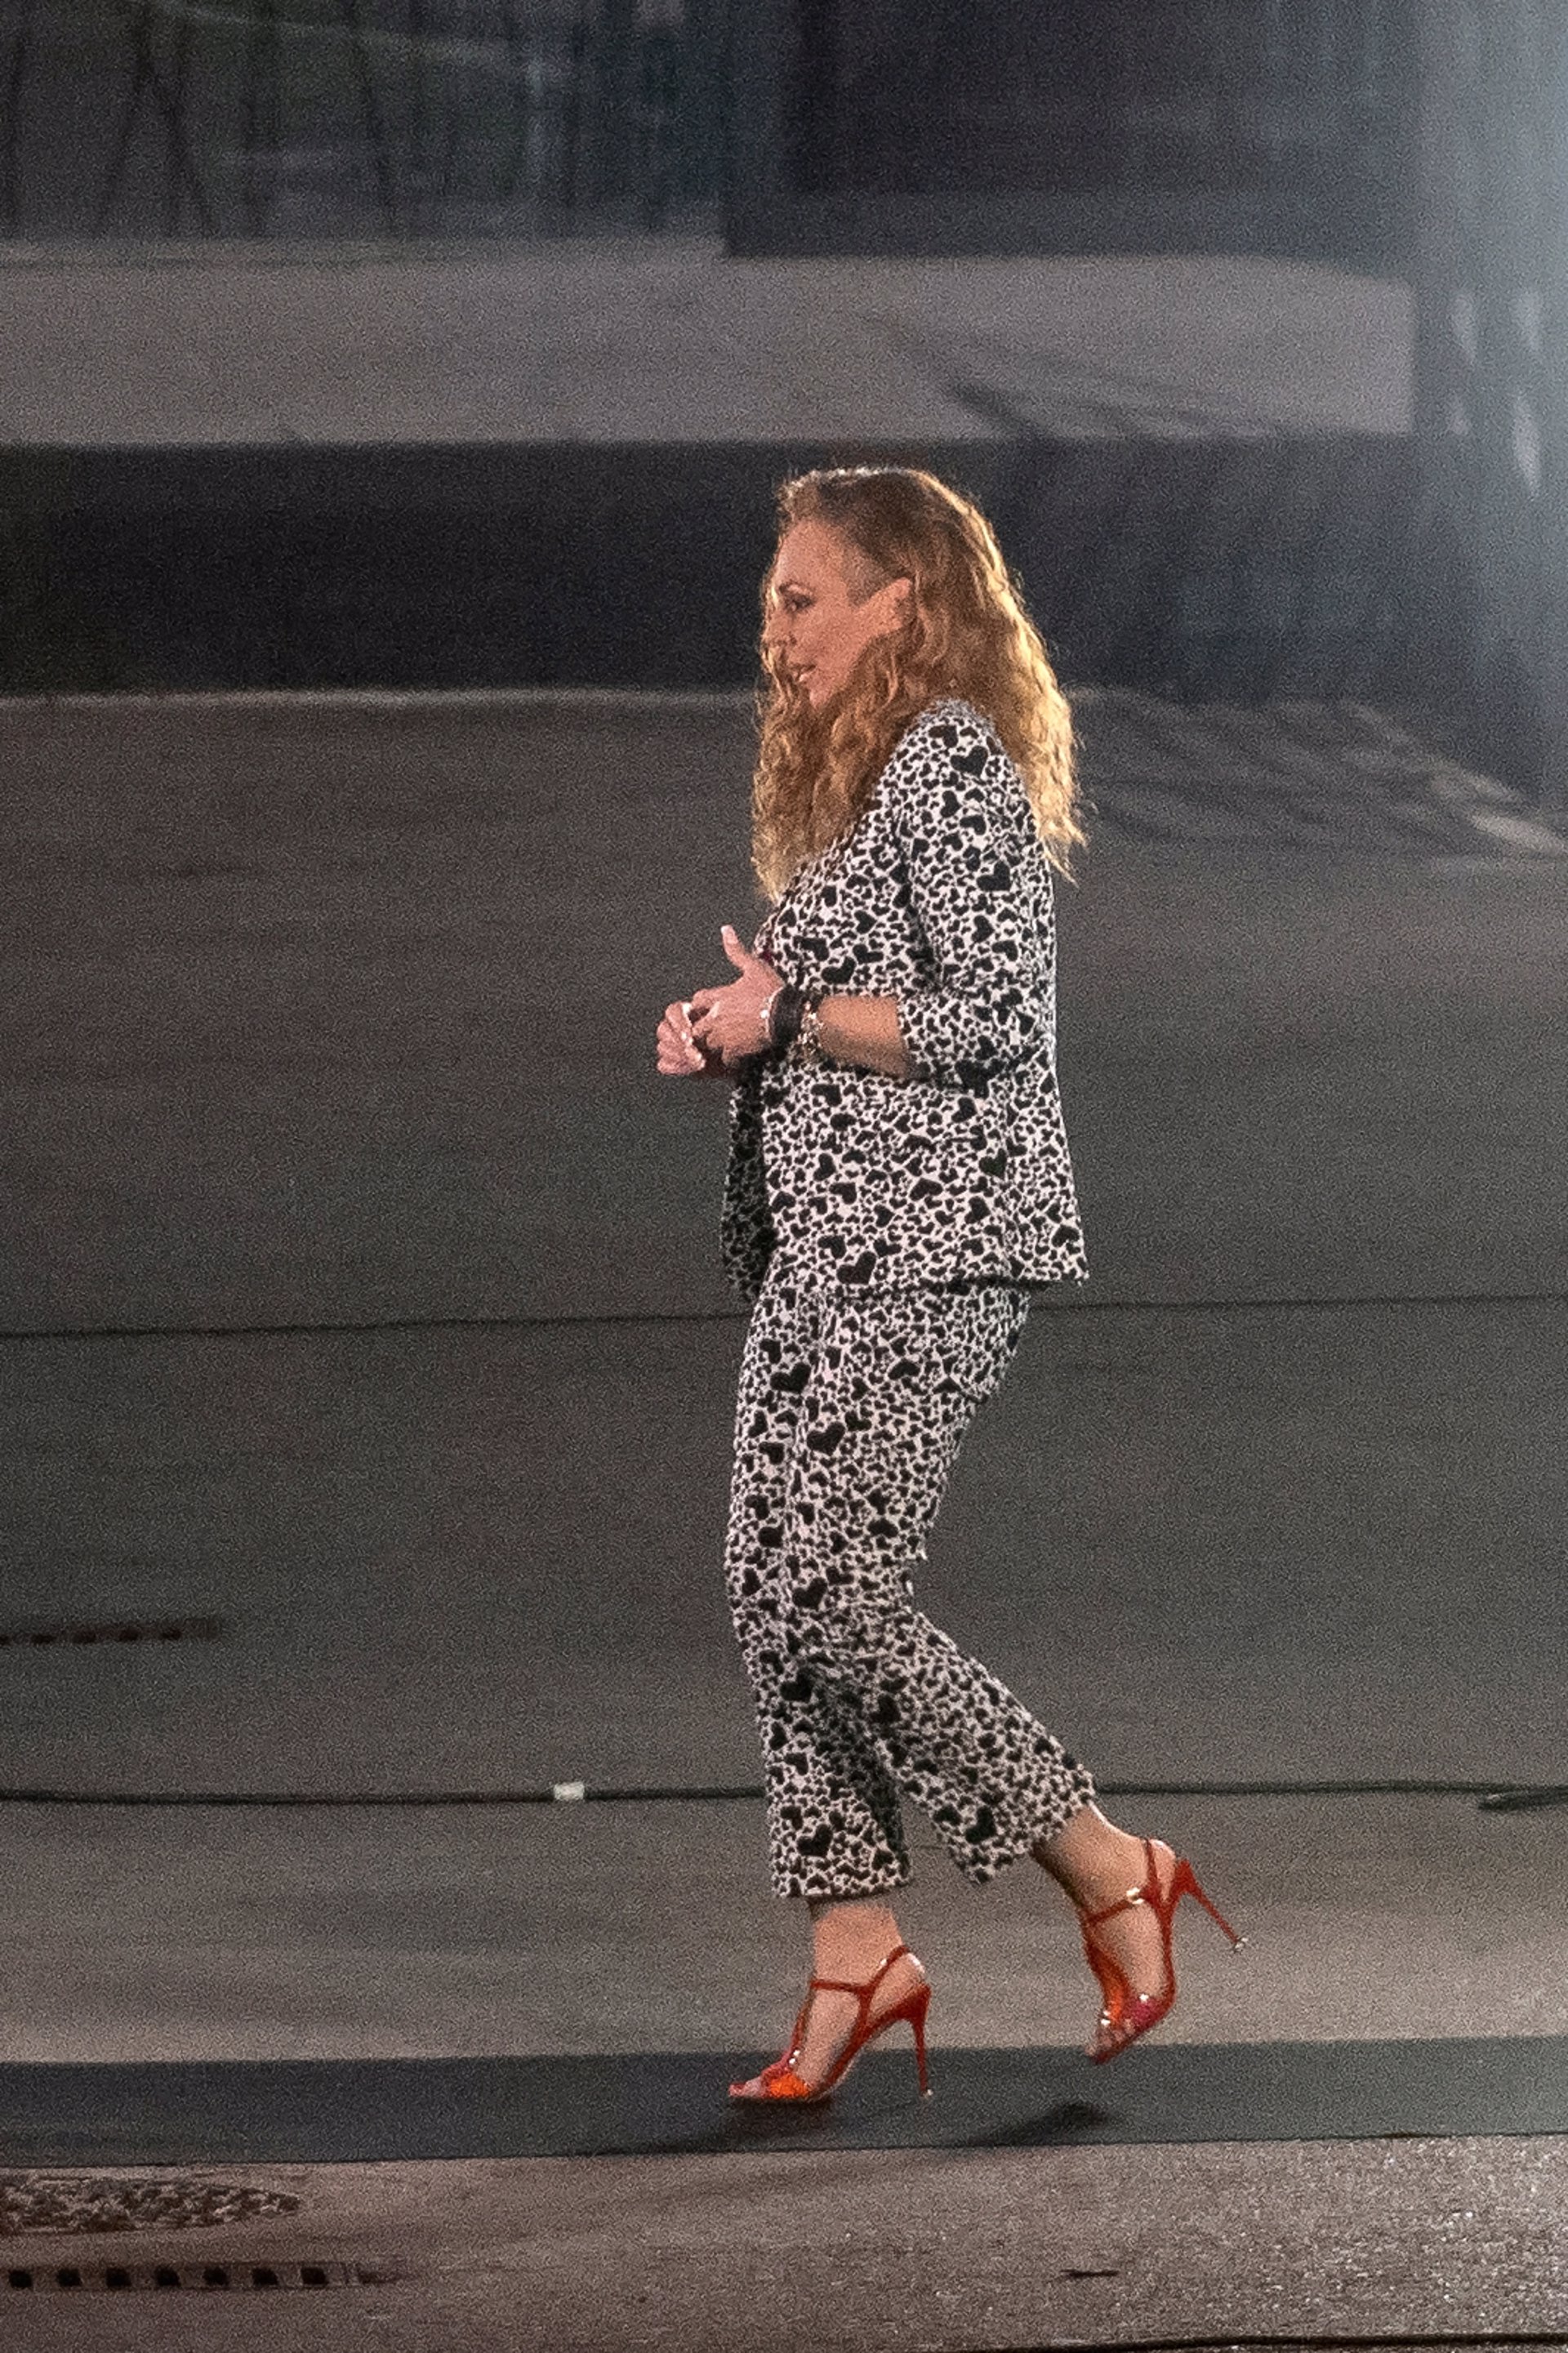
[319, 1015]
[339, 1014]
[948, 2253]
[595, 1927]
[317, 1011]
[670, 341]
[1205, 1543]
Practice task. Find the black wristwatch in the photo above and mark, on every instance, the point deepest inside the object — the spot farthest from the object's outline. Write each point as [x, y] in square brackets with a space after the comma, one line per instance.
[792, 1027]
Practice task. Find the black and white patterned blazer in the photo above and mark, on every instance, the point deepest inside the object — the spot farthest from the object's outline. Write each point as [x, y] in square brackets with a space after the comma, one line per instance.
[938, 896]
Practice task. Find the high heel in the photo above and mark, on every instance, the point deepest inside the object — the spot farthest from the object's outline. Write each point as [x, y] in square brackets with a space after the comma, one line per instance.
[1127, 2014]
[781, 2082]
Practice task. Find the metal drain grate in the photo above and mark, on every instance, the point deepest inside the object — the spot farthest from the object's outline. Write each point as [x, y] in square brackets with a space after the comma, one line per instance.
[33, 2202]
[106, 2278]
[64, 1633]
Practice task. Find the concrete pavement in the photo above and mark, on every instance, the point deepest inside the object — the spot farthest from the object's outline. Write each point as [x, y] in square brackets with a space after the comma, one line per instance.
[591, 1928]
[1280, 1499]
[669, 342]
[1451, 2244]
[290, 1036]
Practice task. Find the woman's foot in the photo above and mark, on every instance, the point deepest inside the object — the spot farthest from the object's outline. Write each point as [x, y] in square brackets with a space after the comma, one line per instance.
[851, 1943]
[830, 2019]
[1136, 1988]
[1099, 1867]
[1126, 1891]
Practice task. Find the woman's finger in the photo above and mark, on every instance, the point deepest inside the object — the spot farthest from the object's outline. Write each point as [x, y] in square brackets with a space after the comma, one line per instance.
[734, 947]
[673, 1040]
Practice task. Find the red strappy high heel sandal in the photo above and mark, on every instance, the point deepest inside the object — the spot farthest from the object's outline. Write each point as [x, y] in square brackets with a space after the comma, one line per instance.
[781, 2082]
[1127, 2014]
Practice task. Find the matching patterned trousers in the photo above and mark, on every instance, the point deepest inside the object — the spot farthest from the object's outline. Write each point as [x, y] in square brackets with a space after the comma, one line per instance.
[852, 1408]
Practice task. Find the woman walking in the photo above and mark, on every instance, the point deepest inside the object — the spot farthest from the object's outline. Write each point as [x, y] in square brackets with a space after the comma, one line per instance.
[898, 1186]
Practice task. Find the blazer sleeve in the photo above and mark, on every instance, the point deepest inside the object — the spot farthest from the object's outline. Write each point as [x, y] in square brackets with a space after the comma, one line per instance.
[980, 888]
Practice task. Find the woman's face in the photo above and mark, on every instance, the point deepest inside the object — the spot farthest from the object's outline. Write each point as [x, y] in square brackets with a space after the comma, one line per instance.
[816, 626]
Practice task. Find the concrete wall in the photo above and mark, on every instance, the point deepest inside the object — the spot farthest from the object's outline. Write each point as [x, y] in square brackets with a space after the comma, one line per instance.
[1489, 584]
[1071, 127]
[1237, 568]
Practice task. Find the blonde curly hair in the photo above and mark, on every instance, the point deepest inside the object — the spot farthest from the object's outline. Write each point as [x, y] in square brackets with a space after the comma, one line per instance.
[968, 635]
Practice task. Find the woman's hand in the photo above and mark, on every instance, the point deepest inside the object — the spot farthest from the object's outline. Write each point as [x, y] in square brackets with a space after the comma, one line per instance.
[679, 1055]
[729, 1021]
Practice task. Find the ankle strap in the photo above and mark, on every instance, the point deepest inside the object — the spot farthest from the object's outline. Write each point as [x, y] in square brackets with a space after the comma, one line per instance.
[1123, 1903]
[838, 1985]
[1135, 1895]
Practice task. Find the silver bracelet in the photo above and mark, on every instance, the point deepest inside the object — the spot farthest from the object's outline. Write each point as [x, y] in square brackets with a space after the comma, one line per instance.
[807, 1046]
[765, 1012]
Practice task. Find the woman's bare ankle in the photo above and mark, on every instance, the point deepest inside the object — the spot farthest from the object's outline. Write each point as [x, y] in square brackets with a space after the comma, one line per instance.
[852, 1937]
[1091, 1858]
